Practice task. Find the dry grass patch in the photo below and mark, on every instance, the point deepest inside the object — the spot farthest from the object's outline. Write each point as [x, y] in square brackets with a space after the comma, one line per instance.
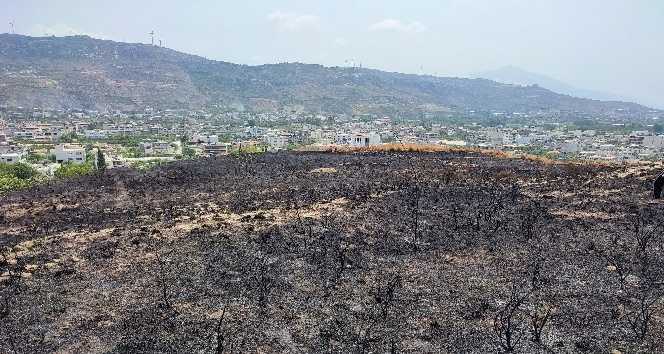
[397, 147]
[535, 158]
[571, 214]
[324, 170]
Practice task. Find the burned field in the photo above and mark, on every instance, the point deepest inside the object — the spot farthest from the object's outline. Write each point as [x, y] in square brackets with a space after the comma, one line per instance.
[446, 252]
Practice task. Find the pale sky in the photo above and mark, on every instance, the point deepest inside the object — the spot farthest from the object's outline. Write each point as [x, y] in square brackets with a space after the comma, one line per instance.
[615, 46]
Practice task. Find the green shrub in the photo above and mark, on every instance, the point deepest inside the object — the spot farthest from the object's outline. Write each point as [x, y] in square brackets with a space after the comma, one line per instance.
[10, 184]
[19, 170]
[17, 176]
[70, 170]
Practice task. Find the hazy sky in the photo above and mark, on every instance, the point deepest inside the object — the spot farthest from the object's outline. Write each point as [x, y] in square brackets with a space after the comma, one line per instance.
[615, 46]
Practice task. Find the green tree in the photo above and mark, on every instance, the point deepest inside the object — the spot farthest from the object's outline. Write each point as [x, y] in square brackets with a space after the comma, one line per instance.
[250, 149]
[68, 138]
[387, 139]
[291, 146]
[133, 152]
[36, 158]
[101, 160]
[17, 176]
[18, 170]
[188, 152]
[10, 184]
[70, 170]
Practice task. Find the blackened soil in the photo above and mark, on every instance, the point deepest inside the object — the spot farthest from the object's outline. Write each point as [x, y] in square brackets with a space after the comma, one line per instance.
[454, 252]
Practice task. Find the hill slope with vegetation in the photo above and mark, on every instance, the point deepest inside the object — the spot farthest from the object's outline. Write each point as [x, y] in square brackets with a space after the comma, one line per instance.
[446, 252]
[80, 72]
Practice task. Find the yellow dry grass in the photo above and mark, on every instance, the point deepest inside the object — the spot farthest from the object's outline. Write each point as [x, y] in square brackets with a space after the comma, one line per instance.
[396, 147]
[573, 215]
[324, 170]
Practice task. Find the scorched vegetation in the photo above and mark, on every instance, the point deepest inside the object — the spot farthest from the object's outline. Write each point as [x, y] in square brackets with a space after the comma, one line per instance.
[366, 252]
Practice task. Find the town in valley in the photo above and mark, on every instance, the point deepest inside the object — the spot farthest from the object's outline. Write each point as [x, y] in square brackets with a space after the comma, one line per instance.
[48, 138]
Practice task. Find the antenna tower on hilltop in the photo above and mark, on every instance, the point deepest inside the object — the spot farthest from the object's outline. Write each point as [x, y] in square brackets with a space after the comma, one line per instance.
[152, 37]
[12, 23]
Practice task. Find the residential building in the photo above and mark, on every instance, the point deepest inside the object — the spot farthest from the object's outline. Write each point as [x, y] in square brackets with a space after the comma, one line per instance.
[216, 149]
[203, 139]
[69, 153]
[654, 141]
[496, 138]
[155, 147]
[572, 146]
[364, 139]
[96, 134]
[276, 141]
[10, 158]
[29, 132]
[254, 131]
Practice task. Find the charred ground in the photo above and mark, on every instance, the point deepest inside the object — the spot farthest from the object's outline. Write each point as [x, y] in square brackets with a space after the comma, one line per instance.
[446, 252]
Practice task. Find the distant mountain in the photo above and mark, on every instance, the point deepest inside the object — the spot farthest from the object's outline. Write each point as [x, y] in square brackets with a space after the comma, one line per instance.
[82, 72]
[516, 76]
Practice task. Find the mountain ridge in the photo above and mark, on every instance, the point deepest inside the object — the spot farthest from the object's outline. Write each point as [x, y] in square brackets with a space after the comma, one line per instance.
[83, 72]
[514, 75]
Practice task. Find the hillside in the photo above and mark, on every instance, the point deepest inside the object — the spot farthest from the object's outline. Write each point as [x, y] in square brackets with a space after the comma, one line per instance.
[441, 252]
[81, 72]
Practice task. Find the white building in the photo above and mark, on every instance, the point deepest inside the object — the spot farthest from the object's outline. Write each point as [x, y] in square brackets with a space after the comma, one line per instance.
[571, 146]
[254, 131]
[216, 149]
[497, 138]
[342, 138]
[114, 161]
[29, 132]
[654, 141]
[10, 158]
[96, 134]
[579, 133]
[364, 139]
[155, 147]
[69, 153]
[204, 139]
[276, 141]
[525, 140]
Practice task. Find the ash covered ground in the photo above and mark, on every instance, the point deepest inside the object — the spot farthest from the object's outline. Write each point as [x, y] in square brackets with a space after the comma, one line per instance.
[368, 252]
